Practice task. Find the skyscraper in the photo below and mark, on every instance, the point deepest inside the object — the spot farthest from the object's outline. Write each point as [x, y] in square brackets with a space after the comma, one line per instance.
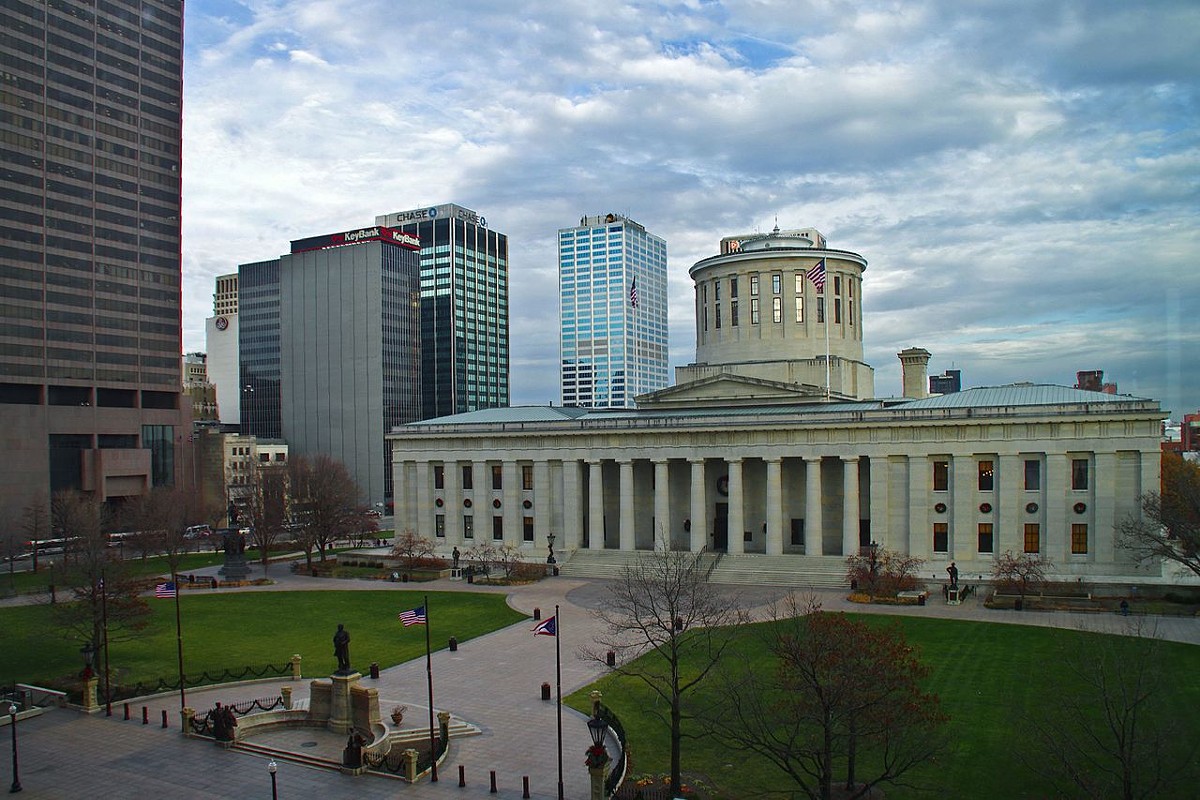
[612, 279]
[329, 348]
[90, 390]
[464, 308]
[221, 332]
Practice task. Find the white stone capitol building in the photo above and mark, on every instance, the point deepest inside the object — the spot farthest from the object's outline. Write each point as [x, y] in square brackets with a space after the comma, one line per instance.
[773, 449]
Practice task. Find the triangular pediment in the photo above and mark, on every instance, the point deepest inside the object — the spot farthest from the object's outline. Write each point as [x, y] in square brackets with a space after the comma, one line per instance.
[731, 390]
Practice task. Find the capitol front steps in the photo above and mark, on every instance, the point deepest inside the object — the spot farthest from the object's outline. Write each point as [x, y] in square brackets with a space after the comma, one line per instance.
[792, 571]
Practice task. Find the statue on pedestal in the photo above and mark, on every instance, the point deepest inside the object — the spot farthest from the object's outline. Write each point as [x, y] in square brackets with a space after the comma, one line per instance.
[341, 649]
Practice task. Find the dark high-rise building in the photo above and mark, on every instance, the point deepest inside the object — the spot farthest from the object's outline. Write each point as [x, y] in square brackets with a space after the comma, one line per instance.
[464, 308]
[90, 388]
[329, 348]
[946, 383]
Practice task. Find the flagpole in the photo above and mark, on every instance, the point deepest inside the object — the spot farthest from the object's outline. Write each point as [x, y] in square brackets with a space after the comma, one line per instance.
[433, 776]
[179, 640]
[558, 681]
[104, 631]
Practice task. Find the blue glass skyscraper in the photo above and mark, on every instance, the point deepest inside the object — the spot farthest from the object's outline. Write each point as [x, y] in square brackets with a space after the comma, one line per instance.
[612, 280]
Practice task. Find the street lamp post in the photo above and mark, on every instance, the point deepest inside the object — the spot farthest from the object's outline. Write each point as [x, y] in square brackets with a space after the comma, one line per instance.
[272, 767]
[12, 715]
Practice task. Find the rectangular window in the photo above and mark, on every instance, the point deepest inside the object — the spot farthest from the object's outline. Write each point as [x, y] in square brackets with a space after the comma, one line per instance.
[941, 537]
[799, 283]
[733, 289]
[820, 310]
[497, 477]
[1079, 474]
[439, 477]
[439, 526]
[1033, 537]
[733, 312]
[837, 311]
[777, 309]
[837, 284]
[527, 477]
[717, 314]
[1033, 475]
[754, 311]
[799, 309]
[498, 529]
[527, 529]
[754, 286]
[985, 537]
[468, 480]
[941, 476]
[776, 283]
[986, 476]
[468, 526]
[1079, 539]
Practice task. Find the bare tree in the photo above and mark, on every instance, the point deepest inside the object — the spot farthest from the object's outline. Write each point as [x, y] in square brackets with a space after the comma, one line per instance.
[1021, 573]
[107, 602]
[266, 508]
[410, 549]
[665, 608]
[35, 523]
[842, 693]
[1168, 529]
[883, 573]
[1113, 730]
[324, 498]
[483, 556]
[162, 518]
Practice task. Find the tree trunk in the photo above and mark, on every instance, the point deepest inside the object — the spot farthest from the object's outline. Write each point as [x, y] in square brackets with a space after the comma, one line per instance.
[851, 752]
[676, 738]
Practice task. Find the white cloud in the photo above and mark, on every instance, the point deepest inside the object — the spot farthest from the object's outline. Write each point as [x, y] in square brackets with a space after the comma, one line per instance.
[1025, 192]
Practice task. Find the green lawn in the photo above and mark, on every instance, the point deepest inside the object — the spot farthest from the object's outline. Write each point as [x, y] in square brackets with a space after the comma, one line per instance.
[987, 676]
[231, 631]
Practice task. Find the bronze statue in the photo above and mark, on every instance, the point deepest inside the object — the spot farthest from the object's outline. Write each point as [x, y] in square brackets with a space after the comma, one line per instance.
[341, 649]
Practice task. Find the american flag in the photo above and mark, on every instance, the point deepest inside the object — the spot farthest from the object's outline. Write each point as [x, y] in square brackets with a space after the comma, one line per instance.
[547, 627]
[164, 590]
[633, 294]
[817, 275]
[414, 617]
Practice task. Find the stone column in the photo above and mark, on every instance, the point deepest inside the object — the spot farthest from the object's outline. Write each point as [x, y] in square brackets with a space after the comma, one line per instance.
[424, 504]
[595, 505]
[877, 497]
[813, 524]
[850, 540]
[452, 509]
[572, 534]
[1053, 514]
[662, 502]
[89, 693]
[543, 503]
[404, 501]
[699, 508]
[626, 505]
[1010, 505]
[1101, 516]
[481, 501]
[511, 477]
[920, 484]
[296, 666]
[737, 521]
[964, 492]
[774, 506]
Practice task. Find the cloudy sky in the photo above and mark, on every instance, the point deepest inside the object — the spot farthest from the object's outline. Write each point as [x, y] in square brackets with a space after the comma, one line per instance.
[1023, 176]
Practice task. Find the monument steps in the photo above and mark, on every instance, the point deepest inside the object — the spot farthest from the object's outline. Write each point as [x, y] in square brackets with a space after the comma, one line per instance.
[749, 569]
[307, 759]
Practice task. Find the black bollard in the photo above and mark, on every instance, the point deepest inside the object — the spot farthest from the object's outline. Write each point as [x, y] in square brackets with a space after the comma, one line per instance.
[164, 715]
[145, 716]
[525, 786]
[611, 658]
[537, 614]
[453, 644]
[375, 670]
[462, 775]
[493, 790]
[545, 691]
[127, 712]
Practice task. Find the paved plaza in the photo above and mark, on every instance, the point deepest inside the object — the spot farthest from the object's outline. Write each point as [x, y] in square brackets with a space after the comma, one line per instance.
[492, 682]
